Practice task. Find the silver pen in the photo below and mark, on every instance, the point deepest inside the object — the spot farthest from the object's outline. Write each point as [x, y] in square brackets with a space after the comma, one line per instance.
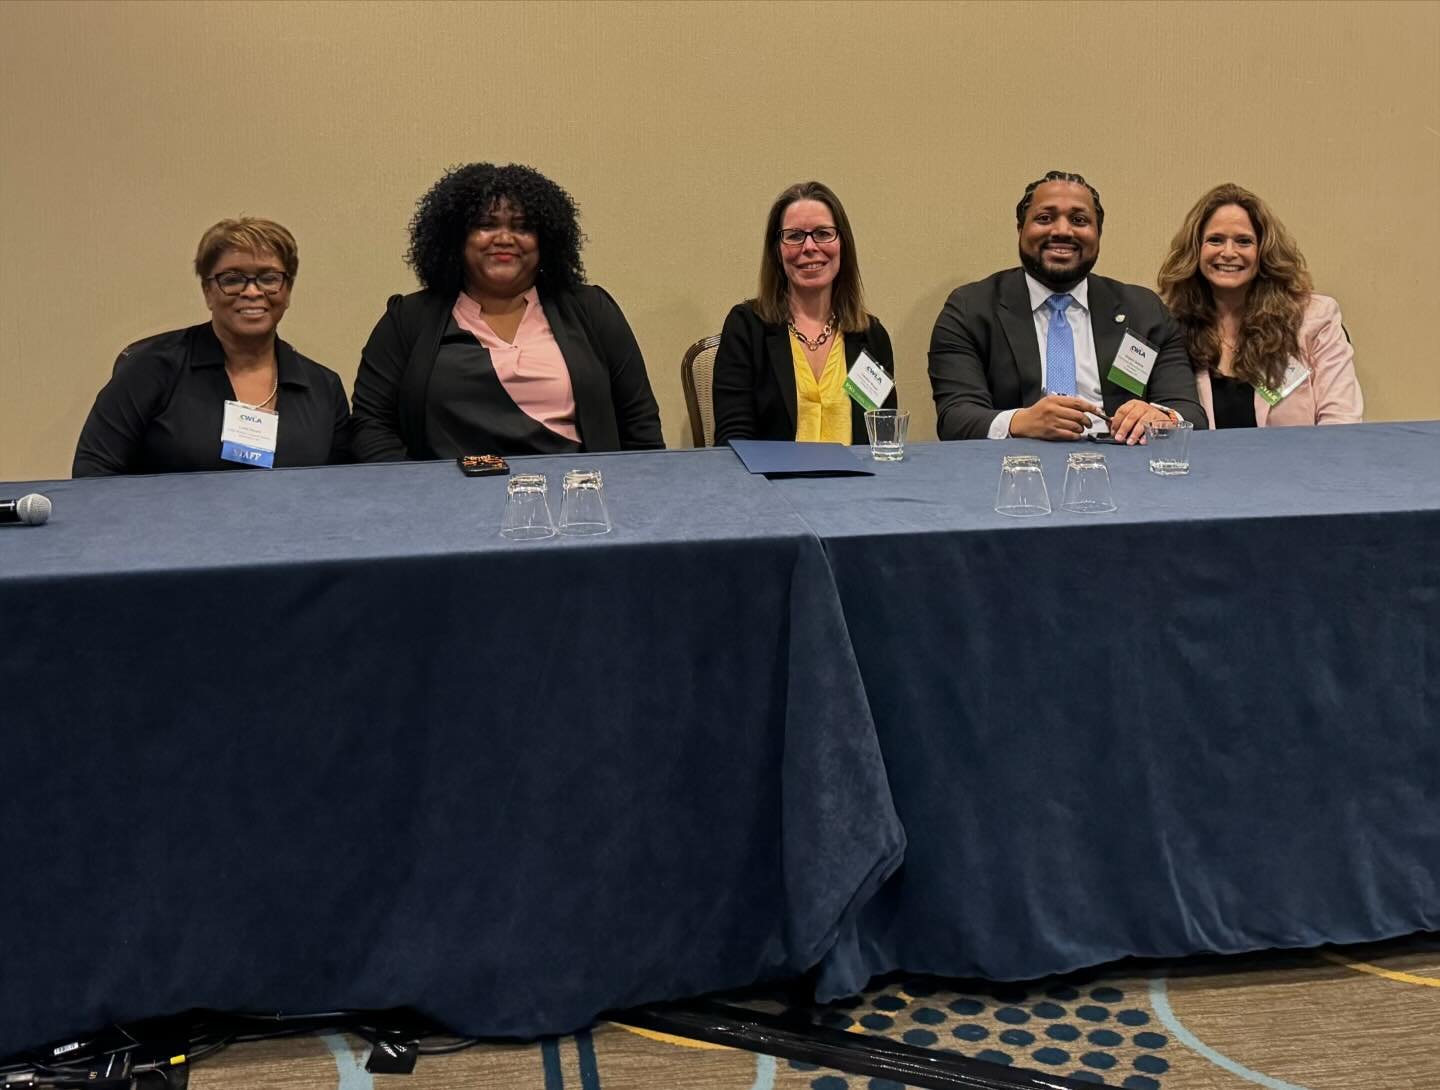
[1102, 414]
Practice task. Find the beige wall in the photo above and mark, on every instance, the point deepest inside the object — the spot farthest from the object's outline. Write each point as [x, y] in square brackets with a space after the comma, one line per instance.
[127, 128]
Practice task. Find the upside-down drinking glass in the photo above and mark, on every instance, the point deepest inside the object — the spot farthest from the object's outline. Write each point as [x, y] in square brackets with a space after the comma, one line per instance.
[1022, 491]
[527, 511]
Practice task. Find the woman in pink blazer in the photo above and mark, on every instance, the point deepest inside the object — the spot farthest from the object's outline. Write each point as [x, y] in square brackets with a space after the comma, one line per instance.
[1267, 351]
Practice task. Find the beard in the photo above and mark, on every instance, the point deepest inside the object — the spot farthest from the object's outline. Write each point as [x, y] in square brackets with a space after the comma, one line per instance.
[1056, 279]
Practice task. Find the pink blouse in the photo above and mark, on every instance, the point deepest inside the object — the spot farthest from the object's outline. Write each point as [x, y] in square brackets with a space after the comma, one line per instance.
[532, 370]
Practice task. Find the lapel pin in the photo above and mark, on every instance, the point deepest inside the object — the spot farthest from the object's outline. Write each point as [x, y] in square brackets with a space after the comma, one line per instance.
[1119, 318]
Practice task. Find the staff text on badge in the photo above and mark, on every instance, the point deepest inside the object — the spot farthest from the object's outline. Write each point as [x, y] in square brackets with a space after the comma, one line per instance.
[248, 435]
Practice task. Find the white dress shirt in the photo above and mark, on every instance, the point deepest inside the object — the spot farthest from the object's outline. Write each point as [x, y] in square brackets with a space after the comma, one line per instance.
[1087, 368]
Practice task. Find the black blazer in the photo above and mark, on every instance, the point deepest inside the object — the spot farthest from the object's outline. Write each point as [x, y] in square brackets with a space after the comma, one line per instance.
[754, 377]
[984, 357]
[614, 406]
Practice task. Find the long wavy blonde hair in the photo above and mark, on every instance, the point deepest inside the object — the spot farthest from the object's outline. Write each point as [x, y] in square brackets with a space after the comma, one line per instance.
[1274, 306]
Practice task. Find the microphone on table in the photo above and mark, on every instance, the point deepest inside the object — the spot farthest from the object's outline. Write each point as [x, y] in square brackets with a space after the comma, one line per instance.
[31, 510]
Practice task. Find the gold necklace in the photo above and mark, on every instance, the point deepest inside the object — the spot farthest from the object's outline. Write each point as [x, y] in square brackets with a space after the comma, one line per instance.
[273, 391]
[823, 336]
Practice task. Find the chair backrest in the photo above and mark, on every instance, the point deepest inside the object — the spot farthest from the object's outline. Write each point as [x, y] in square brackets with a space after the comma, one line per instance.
[696, 371]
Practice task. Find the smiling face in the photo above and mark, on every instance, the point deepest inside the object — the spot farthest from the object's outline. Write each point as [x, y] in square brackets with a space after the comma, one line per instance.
[1060, 238]
[811, 265]
[1229, 250]
[502, 253]
[252, 314]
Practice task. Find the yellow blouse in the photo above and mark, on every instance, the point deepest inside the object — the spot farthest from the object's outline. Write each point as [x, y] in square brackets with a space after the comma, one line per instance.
[822, 409]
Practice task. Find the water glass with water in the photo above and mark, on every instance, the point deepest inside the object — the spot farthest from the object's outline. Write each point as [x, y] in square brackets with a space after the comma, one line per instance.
[887, 428]
[1168, 442]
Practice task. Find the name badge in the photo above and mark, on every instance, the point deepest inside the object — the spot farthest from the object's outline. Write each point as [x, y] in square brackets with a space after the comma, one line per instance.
[248, 435]
[1133, 364]
[867, 383]
[1295, 374]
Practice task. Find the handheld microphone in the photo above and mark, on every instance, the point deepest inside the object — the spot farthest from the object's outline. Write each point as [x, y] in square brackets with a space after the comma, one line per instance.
[31, 510]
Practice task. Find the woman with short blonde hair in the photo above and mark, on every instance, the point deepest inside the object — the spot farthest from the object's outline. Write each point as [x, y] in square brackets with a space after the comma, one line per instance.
[171, 400]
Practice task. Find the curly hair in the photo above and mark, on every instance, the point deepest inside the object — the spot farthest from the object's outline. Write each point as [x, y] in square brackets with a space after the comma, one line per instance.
[454, 206]
[1059, 176]
[848, 296]
[1274, 305]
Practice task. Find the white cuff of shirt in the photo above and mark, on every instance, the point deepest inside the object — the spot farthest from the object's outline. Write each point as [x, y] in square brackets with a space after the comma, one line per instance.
[1000, 426]
[1168, 411]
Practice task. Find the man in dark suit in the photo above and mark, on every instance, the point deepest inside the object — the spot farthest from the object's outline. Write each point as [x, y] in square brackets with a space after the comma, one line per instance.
[1032, 352]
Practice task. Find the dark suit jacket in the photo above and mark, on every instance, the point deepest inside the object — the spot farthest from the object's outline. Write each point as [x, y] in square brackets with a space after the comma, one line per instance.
[614, 406]
[984, 356]
[754, 378]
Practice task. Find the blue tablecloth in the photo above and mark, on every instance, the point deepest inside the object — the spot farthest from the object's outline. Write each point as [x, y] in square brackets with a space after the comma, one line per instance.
[1209, 721]
[320, 739]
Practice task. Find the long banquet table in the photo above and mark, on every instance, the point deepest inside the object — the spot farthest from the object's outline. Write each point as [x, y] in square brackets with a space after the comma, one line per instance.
[318, 739]
[1206, 722]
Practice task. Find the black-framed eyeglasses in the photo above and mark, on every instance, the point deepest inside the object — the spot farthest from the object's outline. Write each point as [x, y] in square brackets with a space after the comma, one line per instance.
[233, 283]
[793, 236]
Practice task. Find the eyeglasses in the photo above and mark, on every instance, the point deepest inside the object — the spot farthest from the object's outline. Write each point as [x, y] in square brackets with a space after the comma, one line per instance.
[793, 236]
[233, 283]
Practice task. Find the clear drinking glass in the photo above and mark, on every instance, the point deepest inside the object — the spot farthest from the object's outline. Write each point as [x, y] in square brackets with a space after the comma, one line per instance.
[1169, 445]
[582, 503]
[1087, 484]
[1022, 491]
[887, 428]
[527, 511]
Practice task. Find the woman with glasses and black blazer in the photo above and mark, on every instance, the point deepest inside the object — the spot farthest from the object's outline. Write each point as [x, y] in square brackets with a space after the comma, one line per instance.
[783, 358]
[165, 409]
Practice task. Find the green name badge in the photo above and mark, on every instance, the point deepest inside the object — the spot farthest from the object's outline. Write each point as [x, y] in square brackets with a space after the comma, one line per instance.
[1295, 374]
[867, 383]
[1133, 363]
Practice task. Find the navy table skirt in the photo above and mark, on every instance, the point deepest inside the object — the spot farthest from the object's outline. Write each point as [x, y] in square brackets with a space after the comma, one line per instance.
[1209, 721]
[319, 738]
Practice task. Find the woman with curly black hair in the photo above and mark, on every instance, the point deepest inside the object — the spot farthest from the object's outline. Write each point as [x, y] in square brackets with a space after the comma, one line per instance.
[506, 350]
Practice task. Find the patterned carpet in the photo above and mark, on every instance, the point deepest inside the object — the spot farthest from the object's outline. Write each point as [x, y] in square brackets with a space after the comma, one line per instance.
[1359, 1018]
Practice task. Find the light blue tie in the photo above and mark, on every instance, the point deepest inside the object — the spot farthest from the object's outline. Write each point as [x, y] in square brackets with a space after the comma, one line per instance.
[1059, 348]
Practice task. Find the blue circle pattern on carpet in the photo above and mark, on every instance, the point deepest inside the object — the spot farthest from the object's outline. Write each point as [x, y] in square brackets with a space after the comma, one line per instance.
[1010, 1006]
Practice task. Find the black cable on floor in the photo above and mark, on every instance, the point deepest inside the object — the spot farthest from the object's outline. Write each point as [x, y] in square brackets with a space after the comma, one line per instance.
[796, 1038]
